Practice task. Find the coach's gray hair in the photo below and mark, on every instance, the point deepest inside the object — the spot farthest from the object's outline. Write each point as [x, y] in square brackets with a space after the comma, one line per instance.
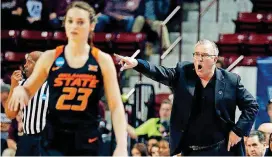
[208, 43]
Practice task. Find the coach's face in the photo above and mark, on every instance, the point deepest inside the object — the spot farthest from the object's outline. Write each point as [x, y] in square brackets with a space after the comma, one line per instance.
[204, 60]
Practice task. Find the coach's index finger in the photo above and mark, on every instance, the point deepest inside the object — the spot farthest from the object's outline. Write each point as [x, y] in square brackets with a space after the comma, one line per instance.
[119, 56]
[229, 145]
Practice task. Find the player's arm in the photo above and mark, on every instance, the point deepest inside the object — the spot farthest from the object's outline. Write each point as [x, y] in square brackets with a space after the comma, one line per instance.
[114, 100]
[40, 72]
[15, 77]
[10, 114]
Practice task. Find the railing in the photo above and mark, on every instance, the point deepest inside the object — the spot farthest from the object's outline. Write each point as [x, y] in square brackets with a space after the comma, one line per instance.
[168, 18]
[201, 13]
[179, 39]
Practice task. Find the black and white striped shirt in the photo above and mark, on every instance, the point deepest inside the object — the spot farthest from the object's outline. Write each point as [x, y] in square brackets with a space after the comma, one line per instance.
[34, 114]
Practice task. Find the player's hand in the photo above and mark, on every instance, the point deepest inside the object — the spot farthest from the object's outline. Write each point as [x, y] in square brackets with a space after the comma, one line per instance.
[18, 99]
[126, 62]
[16, 77]
[233, 140]
[120, 151]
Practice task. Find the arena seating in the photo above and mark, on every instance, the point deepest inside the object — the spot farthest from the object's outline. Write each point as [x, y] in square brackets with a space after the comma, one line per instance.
[16, 43]
[249, 22]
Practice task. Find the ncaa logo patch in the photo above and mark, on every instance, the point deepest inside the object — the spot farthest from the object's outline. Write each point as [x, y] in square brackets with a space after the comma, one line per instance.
[59, 61]
[44, 97]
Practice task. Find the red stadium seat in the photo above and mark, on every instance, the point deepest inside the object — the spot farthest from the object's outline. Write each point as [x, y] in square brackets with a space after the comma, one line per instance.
[270, 44]
[103, 41]
[130, 37]
[258, 39]
[11, 56]
[35, 40]
[9, 39]
[249, 22]
[103, 37]
[8, 34]
[59, 38]
[231, 43]
[250, 17]
[232, 38]
[268, 23]
[230, 59]
[257, 43]
[36, 35]
[247, 60]
[268, 18]
[127, 43]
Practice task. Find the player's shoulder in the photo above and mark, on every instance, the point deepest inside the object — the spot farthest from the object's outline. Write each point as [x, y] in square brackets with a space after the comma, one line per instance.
[104, 57]
[47, 59]
[49, 54]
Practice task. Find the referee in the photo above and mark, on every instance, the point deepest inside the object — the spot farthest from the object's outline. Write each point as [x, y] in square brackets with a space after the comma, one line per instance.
[34, 114]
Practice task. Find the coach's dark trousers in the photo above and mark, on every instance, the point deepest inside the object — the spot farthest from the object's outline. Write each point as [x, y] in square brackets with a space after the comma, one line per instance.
[219, 150]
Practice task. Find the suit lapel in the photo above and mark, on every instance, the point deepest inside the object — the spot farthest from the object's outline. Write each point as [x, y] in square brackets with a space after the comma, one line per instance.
[219, 86]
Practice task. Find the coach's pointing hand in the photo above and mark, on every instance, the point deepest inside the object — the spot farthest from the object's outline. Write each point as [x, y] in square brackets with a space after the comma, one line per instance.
[233, 140]
[126, 62]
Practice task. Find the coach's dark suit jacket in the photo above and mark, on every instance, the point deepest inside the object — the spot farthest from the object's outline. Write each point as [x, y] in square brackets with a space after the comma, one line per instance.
[229, 92]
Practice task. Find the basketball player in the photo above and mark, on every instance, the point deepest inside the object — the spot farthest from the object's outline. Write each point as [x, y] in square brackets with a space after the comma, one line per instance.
[76, 74]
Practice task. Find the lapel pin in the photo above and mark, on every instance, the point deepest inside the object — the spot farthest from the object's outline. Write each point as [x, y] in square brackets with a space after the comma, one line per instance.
[220, 92]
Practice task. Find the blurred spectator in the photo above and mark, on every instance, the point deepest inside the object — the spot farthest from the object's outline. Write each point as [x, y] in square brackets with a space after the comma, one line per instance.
[155, 150]
[266, 128]
[220, 64]
[164, 149]
[98, 5]
[255, 144]
[35, 14]
[120, 12]
[139, 149]
[15, 131]
[154, 127]
[11, 11]
[150, 143]
[5, 122]
[269, 151]
[57, 10]
[152, 13]
[269, 109]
